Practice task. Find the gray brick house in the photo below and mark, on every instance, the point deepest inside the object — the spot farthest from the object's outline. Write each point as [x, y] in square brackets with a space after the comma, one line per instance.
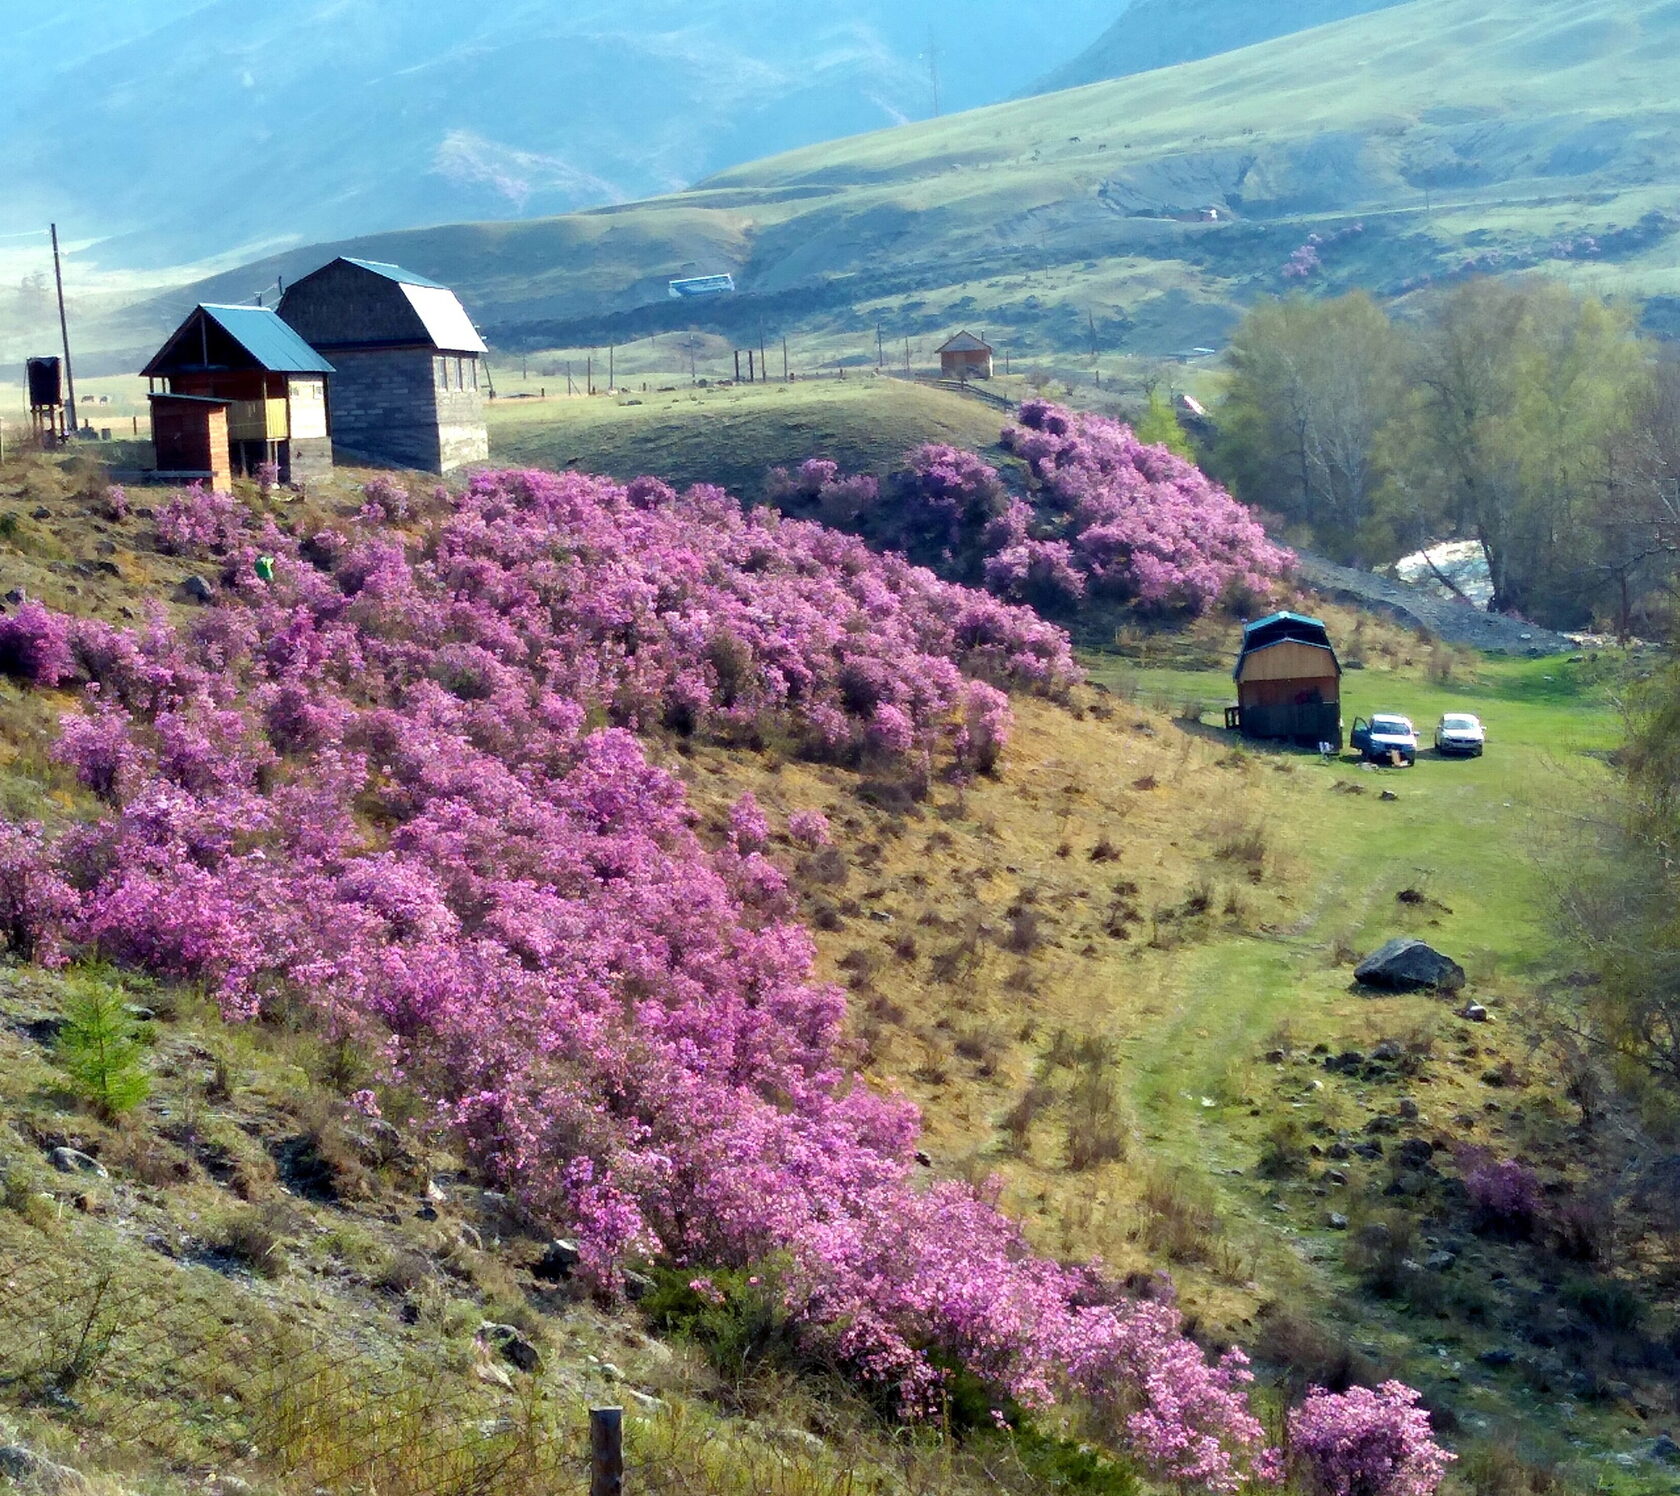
[407, 388]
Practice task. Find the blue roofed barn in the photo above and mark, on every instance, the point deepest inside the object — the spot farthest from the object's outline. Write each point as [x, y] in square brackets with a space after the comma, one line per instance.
[407, 388]
[1289, 681]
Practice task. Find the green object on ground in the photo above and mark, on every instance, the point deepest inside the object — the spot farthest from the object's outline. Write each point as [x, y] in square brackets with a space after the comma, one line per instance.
[265, 568]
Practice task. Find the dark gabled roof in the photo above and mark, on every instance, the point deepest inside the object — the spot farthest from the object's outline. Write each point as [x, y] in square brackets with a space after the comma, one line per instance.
[966, 342]
[392, 272]
[189, 399]
[268, 342]
[1284, 628]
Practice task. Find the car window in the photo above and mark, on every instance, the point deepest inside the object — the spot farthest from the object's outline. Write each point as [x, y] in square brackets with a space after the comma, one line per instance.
[1458, 724]
[1390, 724]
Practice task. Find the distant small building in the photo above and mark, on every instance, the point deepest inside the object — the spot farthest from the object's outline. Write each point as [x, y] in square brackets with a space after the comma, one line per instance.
[1289, 682]
[407, 389]
[965, 357]
[240, 389]
[695, 287]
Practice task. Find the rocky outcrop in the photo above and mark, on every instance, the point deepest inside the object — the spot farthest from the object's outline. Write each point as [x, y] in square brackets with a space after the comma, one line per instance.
[1409, 965]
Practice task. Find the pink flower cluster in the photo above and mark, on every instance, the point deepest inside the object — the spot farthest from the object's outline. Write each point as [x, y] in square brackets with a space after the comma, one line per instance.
[1366, 1443]
[1139, 524]
[1503, 1192]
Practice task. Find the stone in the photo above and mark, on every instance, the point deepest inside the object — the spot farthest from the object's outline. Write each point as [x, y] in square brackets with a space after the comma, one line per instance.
[16, 596]
[1388, 795]
[646, 1401]
[1338, 1151]
[74, 1161]
[1440, 1261]
[924, 1158]
[1474, 1012]
[610, 1373]
[637, 1286]
[1371, 1150]
[1336, 1221]
[470, 1238]
[42, 512]
[559, 1257]
[513, 1346]
[36, 1472]
[1334, 1176]
[227, 1485]
[1407, 964]
[1408, 1109]
[1388, 1051]
[1663, 1448]
[1413, 1153]
[1385, 1126]
[1497, 1357]
[198, 590]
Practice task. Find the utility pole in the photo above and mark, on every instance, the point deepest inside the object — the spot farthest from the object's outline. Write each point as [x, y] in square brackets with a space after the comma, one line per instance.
[75, 422]
[880, 348]
[784, 361]
[932, 56]
[611, 367]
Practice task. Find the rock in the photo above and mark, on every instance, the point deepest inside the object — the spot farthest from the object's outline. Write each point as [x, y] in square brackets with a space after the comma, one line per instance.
[42, 512]
[1664, 1449]
[1415, 1152]
[1439, 1262]
[646, 1401]
[1498, 1357]
[559, 1257]
[1388, 1052]
[16, 596]
[227, 1485]
[1475, 1012]
[1338, 1151]
[73, 1161]
[1336, 1221]
[435, 1194]
[1408, 1109]
[139, 1012]
[513, 1346]
[1346, 1062]
[1275, 1056]
[610, 1373]
[1388, 795]
[924, 1158]
[1334, 1176]
[470, 1238]
[1371, 1150]
[880, 916]
[1407, 964]
[36, 1472]
[198, 590]
[637, 1286]
[1385, 1126]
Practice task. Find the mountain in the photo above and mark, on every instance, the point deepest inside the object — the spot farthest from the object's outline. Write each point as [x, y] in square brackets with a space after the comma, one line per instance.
[176, 132]
[1424, 142]
[1158, 33]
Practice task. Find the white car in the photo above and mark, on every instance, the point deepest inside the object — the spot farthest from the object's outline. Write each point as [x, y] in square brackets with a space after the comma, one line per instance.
[1385, 738]
[1459, 732]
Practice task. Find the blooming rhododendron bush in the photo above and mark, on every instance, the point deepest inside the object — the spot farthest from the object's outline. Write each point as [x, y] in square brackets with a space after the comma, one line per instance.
[1112, 518]
[400, 784]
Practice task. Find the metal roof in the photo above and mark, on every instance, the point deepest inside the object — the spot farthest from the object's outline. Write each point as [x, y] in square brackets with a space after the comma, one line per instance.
[392, 272]
[271, 344]
[1271, 618]
[1284, 628]
[966, 342]
[444, 318]
[190, 399]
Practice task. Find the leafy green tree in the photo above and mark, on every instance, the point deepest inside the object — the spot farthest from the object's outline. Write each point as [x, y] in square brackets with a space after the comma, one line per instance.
[1159, 426]
[1313, 387]
[99, 1046]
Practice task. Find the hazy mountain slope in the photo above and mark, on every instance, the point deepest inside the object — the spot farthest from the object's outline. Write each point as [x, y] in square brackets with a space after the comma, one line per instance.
[1453, 134]
[191, 130]
[1158, 33]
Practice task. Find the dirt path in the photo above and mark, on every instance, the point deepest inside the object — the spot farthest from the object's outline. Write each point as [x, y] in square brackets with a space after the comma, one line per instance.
[1450, 621]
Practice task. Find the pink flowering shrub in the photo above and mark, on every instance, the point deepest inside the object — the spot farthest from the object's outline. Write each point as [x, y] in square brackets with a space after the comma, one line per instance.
[1504, 1194]
[200, 521]
[35, 646]
[403, 787]
[1365, 1443]
[810, 828]
[1144, 526]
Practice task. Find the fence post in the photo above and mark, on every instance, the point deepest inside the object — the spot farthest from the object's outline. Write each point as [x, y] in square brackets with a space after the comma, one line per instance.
[606, 1451]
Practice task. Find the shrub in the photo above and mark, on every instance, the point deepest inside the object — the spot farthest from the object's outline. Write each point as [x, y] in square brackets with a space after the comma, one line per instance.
[1365, 1443]
[1504, 1194]
[35, 646]
[99, 1047]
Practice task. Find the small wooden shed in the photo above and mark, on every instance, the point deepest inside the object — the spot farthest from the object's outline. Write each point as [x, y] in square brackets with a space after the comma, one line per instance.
[272, 387]
[1289, 682]
[965, 357]
[190, 435]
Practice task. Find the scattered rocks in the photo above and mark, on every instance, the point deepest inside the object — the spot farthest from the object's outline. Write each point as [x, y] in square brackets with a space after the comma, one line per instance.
[74, 1161]
[510, 1344]
[924, 1158]
[1407, 964]
[1388, 795]
[1383, 1126]
[637, 1286]
[1413, 1153]
[1371, 1150]
[1348, 1062]
[42, 512]
[198, 590]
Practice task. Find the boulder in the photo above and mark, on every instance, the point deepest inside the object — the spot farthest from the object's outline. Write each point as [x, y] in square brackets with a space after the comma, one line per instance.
[73, 1161]
[35, 1472]
[559, 1257]
[1409, 965]
[513, 1346]
[198, 590]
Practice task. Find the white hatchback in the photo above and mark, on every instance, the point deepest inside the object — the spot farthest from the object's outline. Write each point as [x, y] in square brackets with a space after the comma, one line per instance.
[1459, 732]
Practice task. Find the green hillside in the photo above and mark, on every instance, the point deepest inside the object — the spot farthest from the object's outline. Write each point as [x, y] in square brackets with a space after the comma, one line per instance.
[1455, 134]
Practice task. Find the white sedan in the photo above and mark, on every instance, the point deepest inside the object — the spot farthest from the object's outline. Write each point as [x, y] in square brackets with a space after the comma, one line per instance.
[1459, 732]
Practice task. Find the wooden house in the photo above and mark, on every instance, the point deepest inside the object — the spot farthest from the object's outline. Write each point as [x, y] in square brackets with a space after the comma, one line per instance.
[240, 389]
[1289, 682]
[965, 357]
[407, 388]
